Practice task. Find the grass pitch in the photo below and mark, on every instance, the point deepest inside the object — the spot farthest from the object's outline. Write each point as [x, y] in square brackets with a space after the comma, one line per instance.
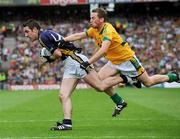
[152, 113]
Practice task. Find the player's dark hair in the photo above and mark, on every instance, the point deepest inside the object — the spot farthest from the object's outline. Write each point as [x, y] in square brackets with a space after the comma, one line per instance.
[31, 23]
[101, 13]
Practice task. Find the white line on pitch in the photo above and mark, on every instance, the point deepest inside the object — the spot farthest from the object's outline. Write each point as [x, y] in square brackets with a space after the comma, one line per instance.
[95, 137]
[31, 121]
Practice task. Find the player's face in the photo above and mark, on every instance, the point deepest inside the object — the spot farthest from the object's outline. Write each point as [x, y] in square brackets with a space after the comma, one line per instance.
[95, 21]
[32, 34]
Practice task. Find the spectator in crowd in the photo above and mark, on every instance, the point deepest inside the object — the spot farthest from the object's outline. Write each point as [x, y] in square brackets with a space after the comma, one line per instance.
[3, 79]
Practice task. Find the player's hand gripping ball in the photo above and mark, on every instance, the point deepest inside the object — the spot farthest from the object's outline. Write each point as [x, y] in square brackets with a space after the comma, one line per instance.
[44, 52]
[46, 55]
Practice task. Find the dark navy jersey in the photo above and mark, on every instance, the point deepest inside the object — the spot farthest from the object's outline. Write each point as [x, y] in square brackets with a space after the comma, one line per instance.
[50, 40]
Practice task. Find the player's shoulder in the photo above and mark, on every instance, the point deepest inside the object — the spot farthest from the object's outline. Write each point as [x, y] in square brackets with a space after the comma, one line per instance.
[48, 34]
[108, 25]
[108, 28]
[91, 29]
[45, 32]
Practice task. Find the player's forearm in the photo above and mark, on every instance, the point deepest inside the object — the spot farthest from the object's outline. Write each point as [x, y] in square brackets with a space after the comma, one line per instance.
[100, 53]
[74, 37]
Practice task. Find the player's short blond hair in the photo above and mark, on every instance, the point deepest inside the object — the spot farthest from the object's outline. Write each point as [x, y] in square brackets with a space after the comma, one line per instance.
[101, 13]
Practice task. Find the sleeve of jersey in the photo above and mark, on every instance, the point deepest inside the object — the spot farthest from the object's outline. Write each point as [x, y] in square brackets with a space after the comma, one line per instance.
[107, 34]
[89, 32]
[45, 40]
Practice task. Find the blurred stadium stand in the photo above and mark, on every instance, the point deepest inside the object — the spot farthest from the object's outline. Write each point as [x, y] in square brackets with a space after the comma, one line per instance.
[151, 28]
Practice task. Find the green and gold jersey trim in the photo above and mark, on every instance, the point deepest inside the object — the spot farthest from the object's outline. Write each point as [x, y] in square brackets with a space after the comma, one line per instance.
[106, 39]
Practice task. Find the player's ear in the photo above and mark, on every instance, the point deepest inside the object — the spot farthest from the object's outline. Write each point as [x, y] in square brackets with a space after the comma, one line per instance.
[102, 20]
[35, 30]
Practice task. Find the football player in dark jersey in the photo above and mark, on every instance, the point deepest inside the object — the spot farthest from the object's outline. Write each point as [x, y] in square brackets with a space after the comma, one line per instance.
[70, 55]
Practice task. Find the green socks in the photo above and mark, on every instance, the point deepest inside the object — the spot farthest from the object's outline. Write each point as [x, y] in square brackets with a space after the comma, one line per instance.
[172, 77]
[116, 99]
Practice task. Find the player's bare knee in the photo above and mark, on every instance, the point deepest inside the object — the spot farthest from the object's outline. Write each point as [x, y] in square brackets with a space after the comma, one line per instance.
[60, 97]
[148, 84]
[100, 89]
[63, 97]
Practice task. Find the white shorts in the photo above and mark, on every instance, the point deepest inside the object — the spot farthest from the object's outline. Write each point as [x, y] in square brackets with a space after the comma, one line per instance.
[131, 68]
[72, 68]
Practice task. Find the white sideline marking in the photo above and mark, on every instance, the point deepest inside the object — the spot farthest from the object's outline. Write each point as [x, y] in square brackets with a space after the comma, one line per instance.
[94, 137]
[32, 121]
[27, 121]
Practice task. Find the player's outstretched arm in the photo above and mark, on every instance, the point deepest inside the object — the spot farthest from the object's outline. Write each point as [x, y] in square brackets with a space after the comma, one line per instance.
[101, 52]
[76, 36]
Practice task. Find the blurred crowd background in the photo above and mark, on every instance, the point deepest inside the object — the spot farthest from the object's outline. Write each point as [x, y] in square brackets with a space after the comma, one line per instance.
[153, 34]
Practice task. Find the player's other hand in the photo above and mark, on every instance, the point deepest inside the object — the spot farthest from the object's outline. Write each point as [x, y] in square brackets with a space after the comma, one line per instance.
[85, 65]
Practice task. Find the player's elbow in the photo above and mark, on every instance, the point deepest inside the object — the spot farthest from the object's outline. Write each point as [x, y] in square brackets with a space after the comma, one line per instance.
[148, 84]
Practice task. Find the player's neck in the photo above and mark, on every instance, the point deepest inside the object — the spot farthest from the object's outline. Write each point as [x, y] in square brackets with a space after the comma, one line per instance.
[101, 26]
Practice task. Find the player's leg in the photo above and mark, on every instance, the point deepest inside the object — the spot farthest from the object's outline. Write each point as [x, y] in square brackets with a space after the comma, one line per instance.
[67, 87]
[105, 72]
[82, 74]
[93, 79]
[133, 68]
[148, 81]
[109, 67]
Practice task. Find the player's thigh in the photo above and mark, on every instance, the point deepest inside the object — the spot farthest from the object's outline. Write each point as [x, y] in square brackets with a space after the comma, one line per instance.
[132, 68]
[68, 85]
[106, 71]
[92, 79]
[144, 78]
